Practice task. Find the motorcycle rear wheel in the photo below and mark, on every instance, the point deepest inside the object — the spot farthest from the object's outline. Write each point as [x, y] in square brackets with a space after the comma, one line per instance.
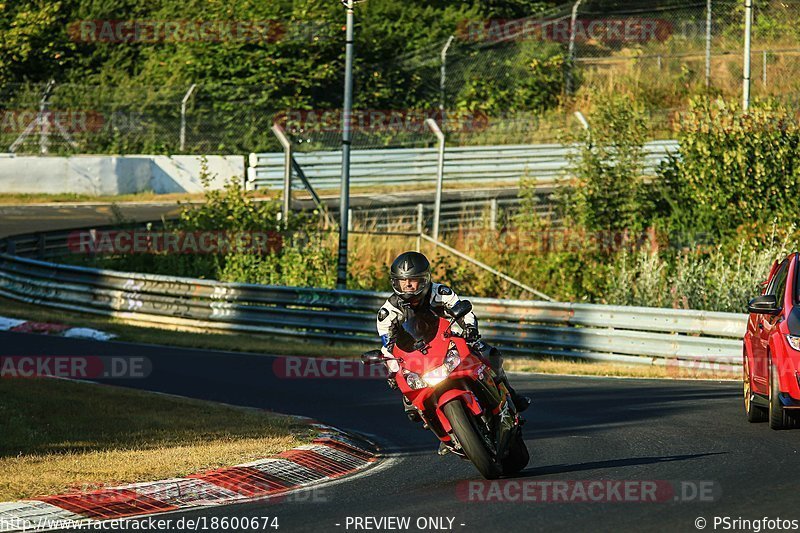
[469, 436]
[517, 458]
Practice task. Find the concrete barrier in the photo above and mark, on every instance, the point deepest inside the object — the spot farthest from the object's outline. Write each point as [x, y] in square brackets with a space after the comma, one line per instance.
[112, 175]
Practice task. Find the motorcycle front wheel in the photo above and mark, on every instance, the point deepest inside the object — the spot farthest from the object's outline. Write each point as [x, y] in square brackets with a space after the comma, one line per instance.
[470, 437]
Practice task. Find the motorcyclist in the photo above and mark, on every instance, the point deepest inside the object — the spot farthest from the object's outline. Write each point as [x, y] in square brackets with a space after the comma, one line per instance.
[414, 296]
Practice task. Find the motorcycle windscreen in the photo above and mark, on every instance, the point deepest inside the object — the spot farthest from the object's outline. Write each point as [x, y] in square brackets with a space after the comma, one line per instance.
[423, 324]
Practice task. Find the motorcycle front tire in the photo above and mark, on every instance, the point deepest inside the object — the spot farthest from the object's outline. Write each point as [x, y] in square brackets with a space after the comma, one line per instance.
[468, 435]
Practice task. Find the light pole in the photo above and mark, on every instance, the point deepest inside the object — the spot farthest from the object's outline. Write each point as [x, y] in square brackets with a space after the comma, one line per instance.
[344, 200]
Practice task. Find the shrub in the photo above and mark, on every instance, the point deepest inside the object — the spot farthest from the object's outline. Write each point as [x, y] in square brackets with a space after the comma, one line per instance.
[607, 192]
[732, 168]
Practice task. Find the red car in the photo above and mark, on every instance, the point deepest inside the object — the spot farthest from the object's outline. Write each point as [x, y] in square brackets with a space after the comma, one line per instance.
[771, 359]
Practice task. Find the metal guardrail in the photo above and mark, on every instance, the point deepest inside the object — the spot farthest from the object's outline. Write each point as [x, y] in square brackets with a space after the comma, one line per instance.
[585, 331]
[487, 164]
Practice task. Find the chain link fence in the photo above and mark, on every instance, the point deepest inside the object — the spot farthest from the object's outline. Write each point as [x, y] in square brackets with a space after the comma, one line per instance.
[72, 118]
[530, 75]
[493, 82]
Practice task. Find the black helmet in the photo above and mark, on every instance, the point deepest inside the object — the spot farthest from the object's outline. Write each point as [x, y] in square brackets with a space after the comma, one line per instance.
[411, 265]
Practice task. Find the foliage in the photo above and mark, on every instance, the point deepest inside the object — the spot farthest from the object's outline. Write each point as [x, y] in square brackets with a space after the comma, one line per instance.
[732, 168]
[304, 258]
[137, 87]
[606, 191]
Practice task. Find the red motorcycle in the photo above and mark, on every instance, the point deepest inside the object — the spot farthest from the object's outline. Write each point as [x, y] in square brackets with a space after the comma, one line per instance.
[458, 397]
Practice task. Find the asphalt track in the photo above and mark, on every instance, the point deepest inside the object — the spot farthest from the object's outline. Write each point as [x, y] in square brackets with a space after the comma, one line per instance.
[578, 429]
[17, 219]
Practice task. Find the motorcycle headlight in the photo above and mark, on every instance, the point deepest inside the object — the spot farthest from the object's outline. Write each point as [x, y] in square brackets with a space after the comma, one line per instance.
[794, 342]
[440, 373]
[452, 359]
[414, 381]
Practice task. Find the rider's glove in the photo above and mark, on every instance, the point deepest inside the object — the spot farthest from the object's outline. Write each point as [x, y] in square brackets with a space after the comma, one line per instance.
[391, 381]
[471, 334]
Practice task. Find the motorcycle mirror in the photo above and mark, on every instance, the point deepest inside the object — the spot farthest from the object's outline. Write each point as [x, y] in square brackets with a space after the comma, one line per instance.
[372, 357]
[461, 309]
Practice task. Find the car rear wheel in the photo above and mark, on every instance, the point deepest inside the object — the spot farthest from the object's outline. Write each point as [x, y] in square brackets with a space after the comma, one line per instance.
[754, 412]
[779, 418]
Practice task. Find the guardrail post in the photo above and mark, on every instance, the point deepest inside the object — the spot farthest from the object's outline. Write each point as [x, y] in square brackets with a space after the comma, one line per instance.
[12, 247]
[40, 245]
[493, 214]
[349, 219]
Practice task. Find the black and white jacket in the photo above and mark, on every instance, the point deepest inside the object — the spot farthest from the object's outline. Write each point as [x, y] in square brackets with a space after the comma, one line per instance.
[394, 313]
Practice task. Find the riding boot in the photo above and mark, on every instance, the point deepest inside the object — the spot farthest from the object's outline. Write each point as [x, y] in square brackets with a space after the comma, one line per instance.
[520, 402]
[495, 359]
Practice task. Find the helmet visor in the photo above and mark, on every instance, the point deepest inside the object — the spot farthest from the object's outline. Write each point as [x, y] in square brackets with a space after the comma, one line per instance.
[408, 287]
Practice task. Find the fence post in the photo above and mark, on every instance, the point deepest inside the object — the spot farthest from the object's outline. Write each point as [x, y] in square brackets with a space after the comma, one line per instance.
[442, 79]
[748, 23]
[708, 43]
[571, 54]
[287, 171]
[183, 115]
[420, 214]
[764, 73]
[439, 176]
